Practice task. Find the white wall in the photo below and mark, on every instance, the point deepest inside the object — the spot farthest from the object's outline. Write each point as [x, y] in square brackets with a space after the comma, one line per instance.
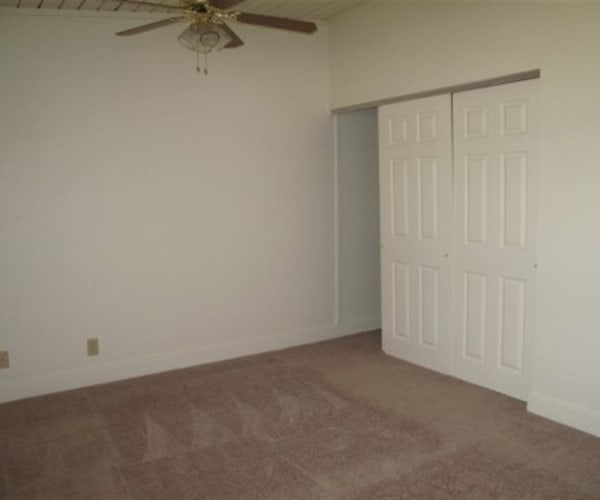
[397, 49]
[358, 180]
[177, 217]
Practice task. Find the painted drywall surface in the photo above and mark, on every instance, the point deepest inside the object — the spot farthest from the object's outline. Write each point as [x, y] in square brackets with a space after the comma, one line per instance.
[358, 181]
[179, 218]
[393, 49]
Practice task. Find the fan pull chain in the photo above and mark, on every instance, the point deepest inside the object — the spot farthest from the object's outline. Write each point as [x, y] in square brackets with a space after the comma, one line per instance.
[205, 70]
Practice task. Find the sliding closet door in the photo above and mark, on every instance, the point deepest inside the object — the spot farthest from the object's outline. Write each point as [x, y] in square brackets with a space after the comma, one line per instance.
[495, 133]
[416, 230]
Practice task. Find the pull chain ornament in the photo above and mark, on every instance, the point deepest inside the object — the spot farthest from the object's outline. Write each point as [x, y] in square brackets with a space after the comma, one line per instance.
[198, 69]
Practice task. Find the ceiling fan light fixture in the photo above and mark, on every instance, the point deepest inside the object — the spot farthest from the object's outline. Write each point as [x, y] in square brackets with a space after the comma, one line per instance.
[209, 30]
[204, 38]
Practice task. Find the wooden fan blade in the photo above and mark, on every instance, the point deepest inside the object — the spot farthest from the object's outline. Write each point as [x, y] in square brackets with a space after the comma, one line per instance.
[151, 26]
[224, 4]
[236, 41]
[153, 4]
[283, 23]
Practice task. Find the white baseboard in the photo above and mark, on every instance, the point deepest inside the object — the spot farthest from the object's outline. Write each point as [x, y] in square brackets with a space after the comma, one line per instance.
[362, 324]
[75, 378]
[565, 412]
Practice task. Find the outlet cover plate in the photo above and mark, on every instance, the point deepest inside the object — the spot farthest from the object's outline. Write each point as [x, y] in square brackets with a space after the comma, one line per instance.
[4, 360]
[93, 347]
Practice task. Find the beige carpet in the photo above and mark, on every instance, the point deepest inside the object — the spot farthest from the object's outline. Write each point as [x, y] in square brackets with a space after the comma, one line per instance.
[336, 420]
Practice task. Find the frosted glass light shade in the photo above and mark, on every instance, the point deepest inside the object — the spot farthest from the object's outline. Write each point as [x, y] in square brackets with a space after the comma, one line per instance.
[204, 38]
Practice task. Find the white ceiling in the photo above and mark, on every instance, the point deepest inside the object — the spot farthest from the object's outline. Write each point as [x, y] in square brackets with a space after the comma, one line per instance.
[314, 10]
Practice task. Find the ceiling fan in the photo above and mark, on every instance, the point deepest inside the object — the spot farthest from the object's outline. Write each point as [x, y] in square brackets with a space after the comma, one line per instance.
[208, 29]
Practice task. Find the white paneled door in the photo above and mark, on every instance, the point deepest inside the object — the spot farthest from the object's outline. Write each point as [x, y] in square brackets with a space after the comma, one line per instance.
[495, 157]
[416, 230]
[458, 177]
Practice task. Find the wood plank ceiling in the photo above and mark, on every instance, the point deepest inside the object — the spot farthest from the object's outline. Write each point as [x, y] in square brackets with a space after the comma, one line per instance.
[314, 10]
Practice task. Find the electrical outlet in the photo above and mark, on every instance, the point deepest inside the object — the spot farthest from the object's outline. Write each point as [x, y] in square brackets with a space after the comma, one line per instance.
[93, 346]
[4, 361]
